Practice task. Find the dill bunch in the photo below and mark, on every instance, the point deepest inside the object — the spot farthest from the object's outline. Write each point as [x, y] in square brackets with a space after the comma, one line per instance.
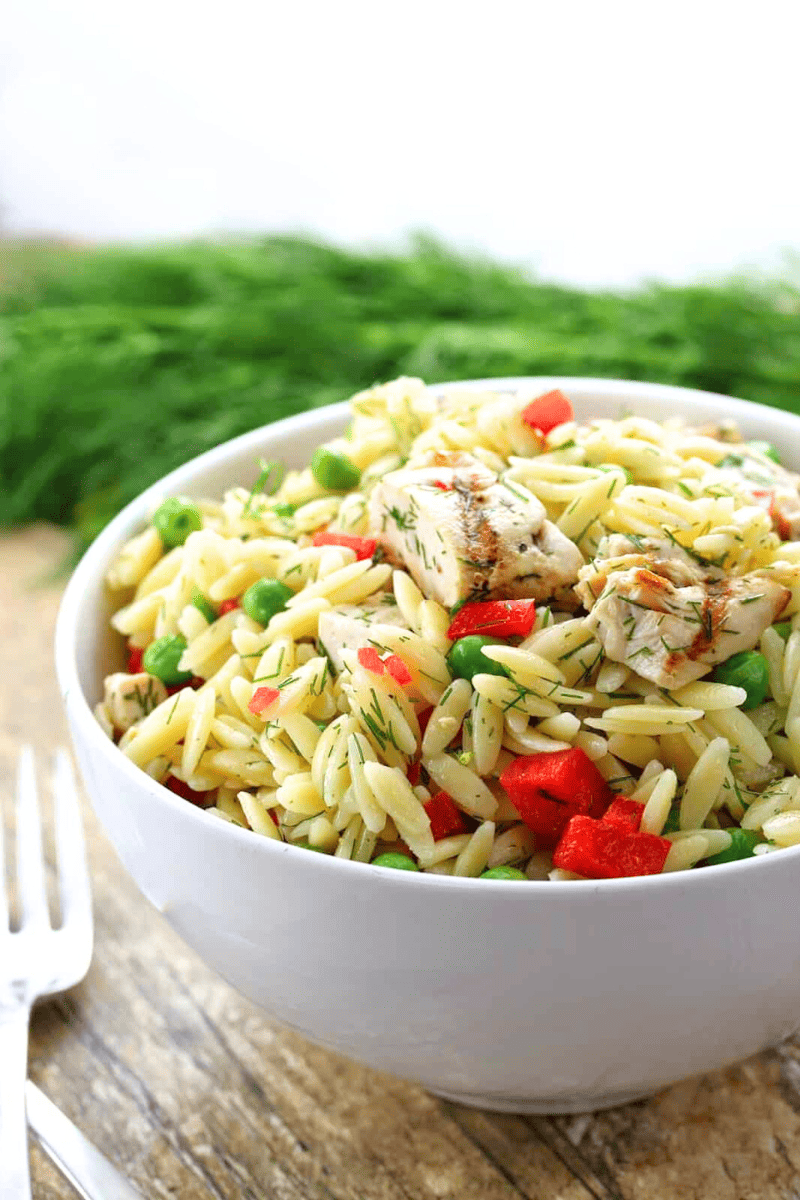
[116, 365]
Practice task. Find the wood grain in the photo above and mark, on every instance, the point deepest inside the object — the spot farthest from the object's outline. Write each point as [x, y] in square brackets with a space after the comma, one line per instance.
[194, 1093]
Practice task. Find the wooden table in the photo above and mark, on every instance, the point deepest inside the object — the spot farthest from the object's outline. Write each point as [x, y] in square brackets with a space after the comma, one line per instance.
[193, 1092]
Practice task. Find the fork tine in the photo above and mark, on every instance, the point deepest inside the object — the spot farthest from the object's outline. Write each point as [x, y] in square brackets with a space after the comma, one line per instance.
[30, 861]
[74, 886]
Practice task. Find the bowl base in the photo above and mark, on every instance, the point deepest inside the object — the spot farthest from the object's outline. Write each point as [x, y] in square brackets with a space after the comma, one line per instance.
[560, 1106]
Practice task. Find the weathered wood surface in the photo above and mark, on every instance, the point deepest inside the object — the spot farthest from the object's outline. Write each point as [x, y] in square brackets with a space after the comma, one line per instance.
[194, 1093]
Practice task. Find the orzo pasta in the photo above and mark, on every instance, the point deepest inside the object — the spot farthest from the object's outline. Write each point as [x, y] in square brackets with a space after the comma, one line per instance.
[477, 637]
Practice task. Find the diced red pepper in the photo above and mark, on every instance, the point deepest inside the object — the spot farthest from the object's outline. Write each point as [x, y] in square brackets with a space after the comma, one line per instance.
[229, 605]
[263, 699]
[442, 486]
[201, 799]
[397, 669]
[423, 716]
[501, 618]
[547, 411]
[623, 811]
[413, 772]
[445, 817]
[548, 789]
[195, 682]
[364, 547]
[370, 660]
[603, 850]
[135, 655]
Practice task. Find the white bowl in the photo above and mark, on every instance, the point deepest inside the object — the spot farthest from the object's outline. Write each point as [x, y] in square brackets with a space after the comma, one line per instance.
[544, 997]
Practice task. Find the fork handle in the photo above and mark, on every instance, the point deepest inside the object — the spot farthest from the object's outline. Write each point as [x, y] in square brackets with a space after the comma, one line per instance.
[15, 1178]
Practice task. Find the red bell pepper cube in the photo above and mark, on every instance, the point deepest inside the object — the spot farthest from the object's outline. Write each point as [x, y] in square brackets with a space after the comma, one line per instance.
[135, 655]
[201, 799]
[547, 411]
[413, 772]
[603, 850]
[364, 547]
[442, 486]
[423, 716]
[370, 660]
[262, 700]
[233, 602]
[445, 817]
[500, 618]
[397, 669]
[195, 682]
[548, 789]
[623, 811]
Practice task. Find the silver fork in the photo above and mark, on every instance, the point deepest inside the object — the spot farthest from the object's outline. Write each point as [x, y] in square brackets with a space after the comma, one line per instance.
[37, 960]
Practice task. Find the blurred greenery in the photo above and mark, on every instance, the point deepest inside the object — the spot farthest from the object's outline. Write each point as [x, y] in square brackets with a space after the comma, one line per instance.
[118, 364]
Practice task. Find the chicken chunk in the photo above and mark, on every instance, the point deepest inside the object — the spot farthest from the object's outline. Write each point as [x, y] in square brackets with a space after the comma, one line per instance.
[462, 533]
[619, 551]
[129, 698]
[348, 626]
[669, 620]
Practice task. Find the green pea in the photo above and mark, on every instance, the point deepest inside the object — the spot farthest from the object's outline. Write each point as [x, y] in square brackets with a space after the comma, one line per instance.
[784, 628]
[502, 873]
[161, 659]
[466, 657]
[175, 519]
[748, 670]
[742, 845]
[308, 846]
[204, 606]
[334, 471]
[400, 862]
[265, 598]
[767, 449]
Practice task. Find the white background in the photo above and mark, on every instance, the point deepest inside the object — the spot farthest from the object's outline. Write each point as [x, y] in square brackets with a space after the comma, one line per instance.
[598, 142]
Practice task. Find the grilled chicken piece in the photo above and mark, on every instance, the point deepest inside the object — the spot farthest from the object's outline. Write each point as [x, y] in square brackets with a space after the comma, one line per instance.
[129, 698]
[619, 551]
[464, 534]
[348, 626]
[770, 485]
[669, 620]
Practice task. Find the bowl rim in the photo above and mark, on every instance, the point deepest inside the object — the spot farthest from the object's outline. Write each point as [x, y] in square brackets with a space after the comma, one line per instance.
[87, 571]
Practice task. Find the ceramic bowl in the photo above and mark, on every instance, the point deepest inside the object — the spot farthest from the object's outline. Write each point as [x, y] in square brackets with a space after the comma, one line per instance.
[547, 997]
